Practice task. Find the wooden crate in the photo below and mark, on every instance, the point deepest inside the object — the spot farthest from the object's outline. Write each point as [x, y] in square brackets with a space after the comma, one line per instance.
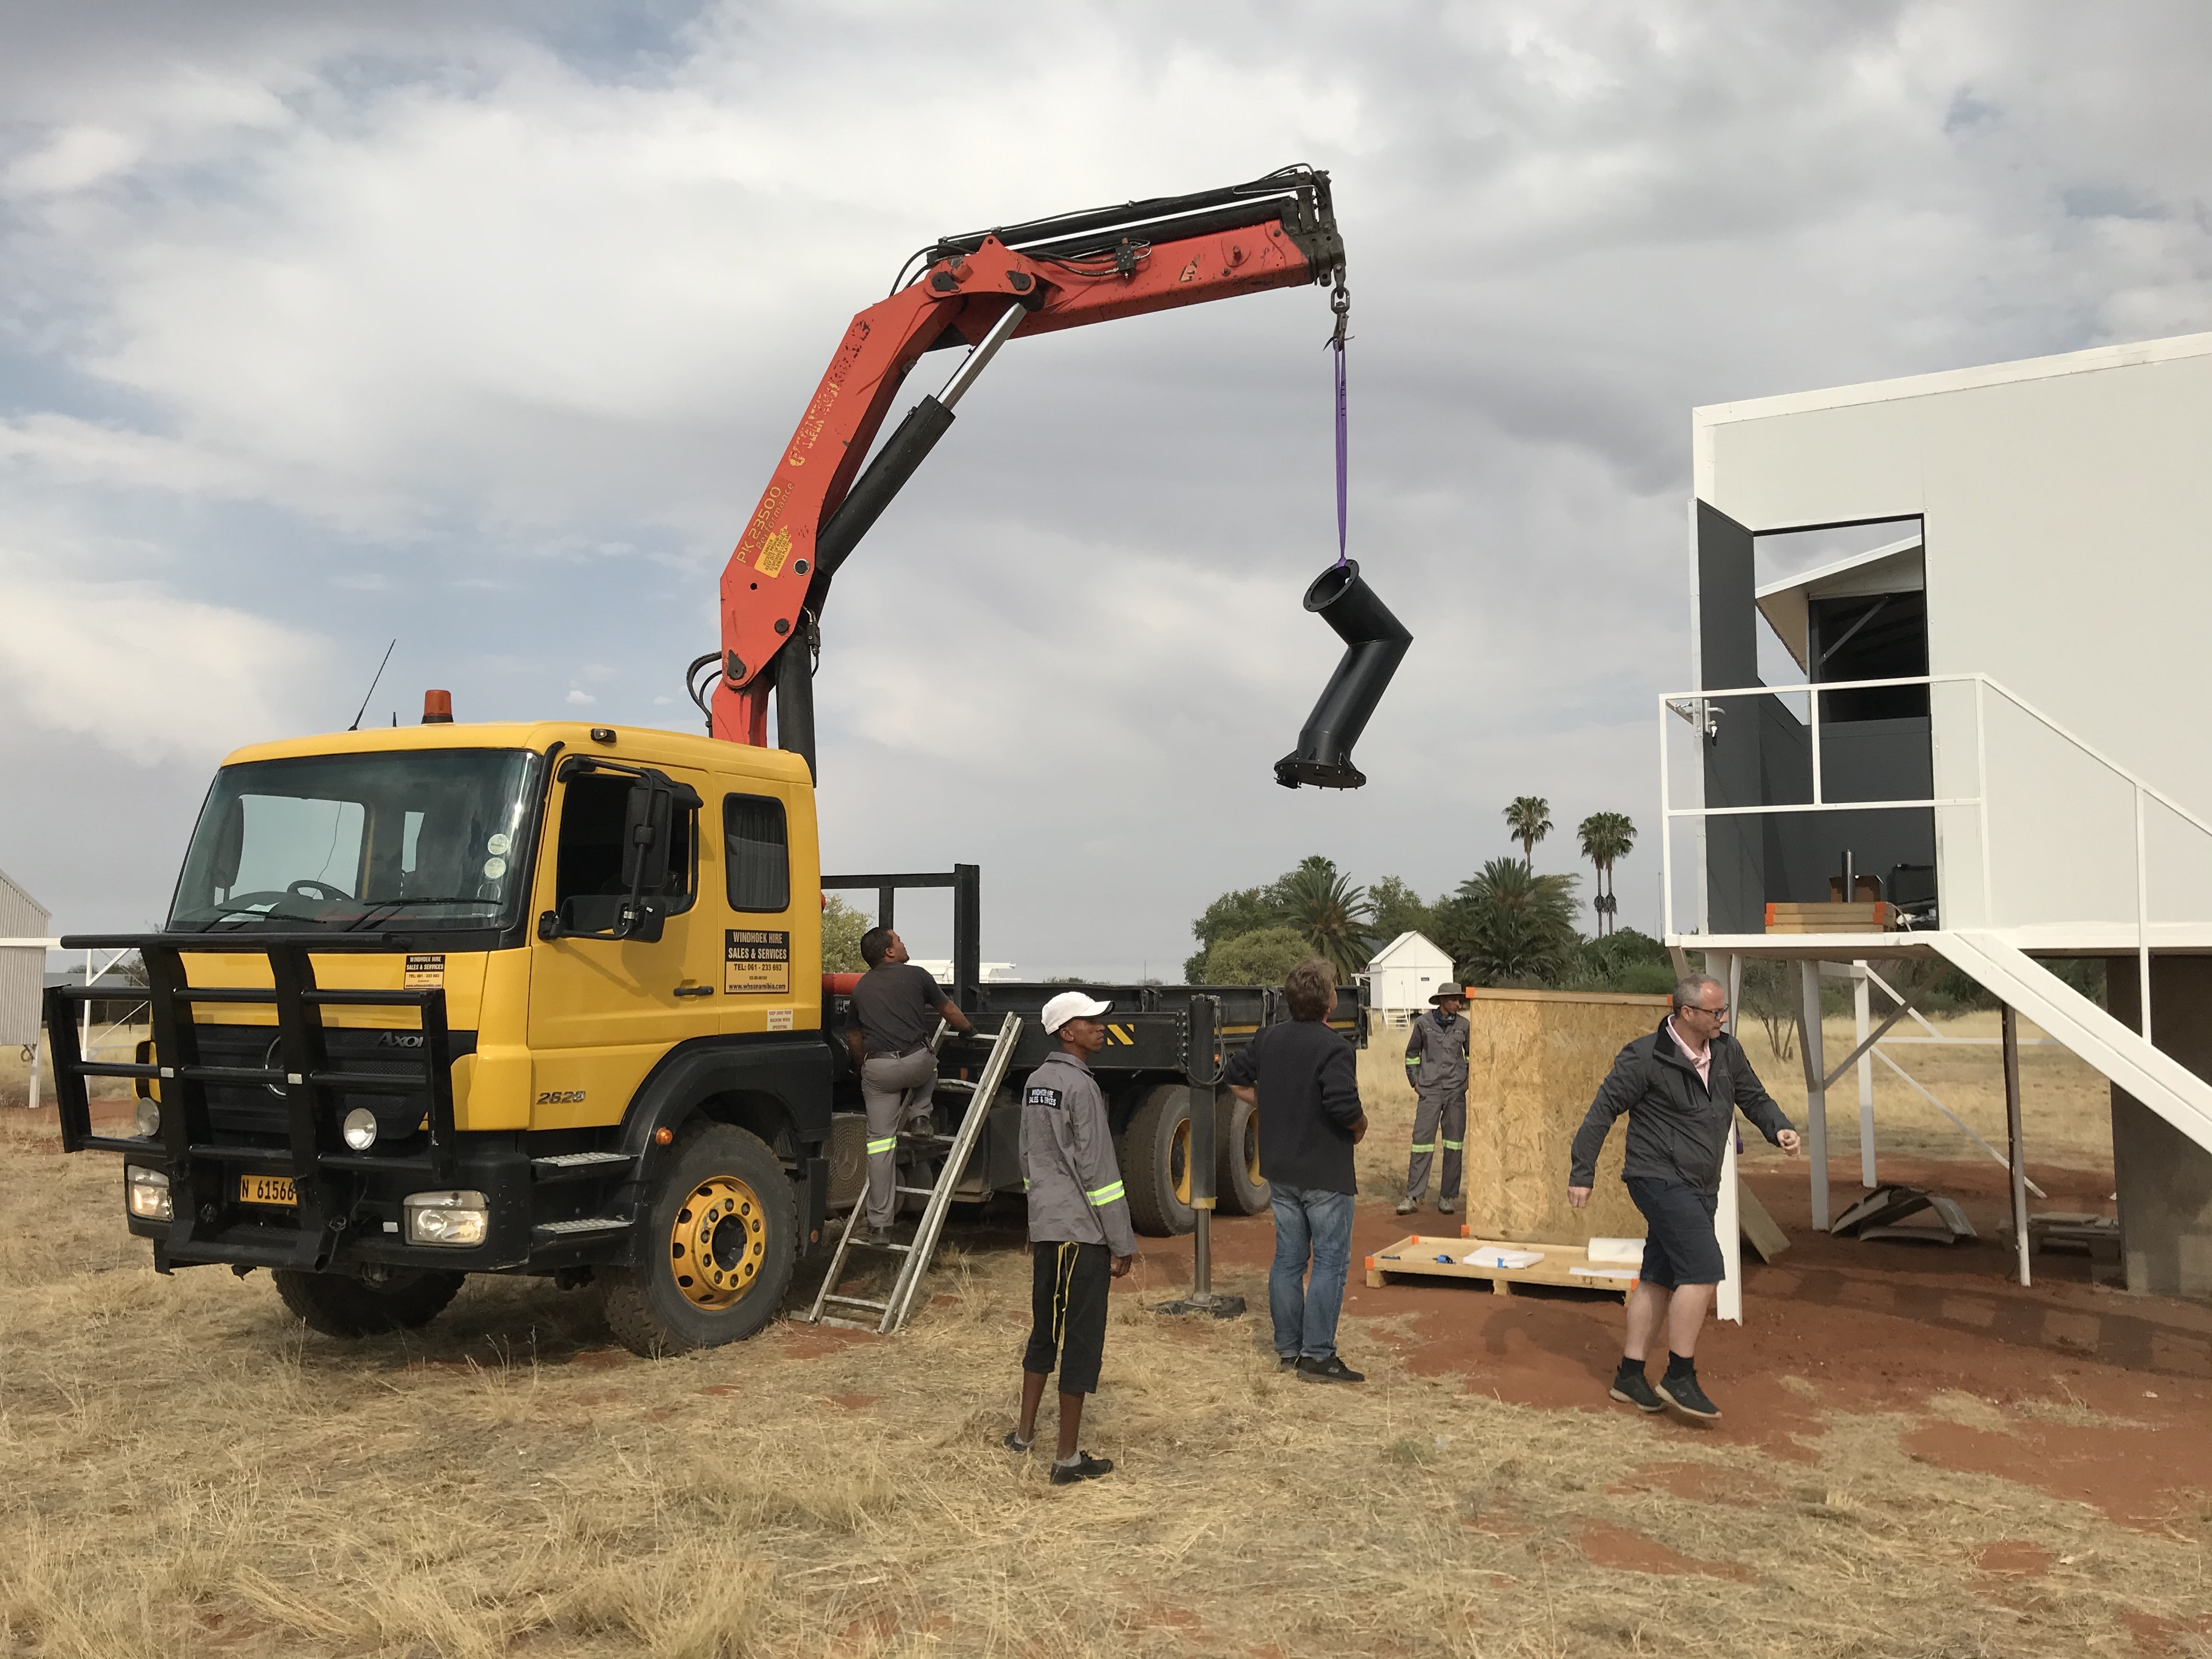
[1415, 1257]
[1535, 1060]
[1874, 918]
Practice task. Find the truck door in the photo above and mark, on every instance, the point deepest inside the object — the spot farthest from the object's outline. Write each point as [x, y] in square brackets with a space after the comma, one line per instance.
[771, 973]
[603, 1011]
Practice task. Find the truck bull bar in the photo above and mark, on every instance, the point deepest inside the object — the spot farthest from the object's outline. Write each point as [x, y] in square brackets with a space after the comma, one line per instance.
[203, 1169]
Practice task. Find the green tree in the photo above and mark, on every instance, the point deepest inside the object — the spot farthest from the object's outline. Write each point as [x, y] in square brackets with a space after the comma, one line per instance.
[1262, 958]
[1509, 926]
[1331, 913]
[1626, 960]
[841, 928]
[1399, 909]
[1529, 820]
[1605, 836]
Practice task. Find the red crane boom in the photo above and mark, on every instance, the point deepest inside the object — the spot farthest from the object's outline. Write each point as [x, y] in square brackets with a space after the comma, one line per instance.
[977, 290]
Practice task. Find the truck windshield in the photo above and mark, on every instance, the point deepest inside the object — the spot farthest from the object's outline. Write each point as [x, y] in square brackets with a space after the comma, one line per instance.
[422, 839]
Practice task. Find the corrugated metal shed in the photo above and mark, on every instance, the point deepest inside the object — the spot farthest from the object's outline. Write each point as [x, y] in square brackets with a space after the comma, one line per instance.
[22, 972]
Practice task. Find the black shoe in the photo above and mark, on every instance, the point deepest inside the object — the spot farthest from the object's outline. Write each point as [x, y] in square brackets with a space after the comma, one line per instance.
[922, 1128]
[1286, 1362]
[1014, 1442]
[1331, 1370]
[1408, 1203]
[1634, 1388]
[874, 1238]
[1085, 1467]
[1679, 1389]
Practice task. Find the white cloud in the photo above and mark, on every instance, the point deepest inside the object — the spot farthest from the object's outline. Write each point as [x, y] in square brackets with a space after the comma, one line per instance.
[144, 674]
[579, 698]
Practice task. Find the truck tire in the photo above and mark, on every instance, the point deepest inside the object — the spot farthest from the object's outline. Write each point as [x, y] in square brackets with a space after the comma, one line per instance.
[1237, 1185]
[1154, 1160]
[717, 1240]
[392, 1299]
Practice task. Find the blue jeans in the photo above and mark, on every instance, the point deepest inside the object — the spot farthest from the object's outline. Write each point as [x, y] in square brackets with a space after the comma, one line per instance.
[1308, 1221]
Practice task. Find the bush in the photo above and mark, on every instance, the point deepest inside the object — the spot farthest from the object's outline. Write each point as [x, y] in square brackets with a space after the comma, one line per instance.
[1262, 958]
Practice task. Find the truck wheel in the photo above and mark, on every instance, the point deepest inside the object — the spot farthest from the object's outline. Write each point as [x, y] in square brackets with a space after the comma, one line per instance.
[384, 1299]
[1238, 1185]
[717, 1238]
[1154, 1158]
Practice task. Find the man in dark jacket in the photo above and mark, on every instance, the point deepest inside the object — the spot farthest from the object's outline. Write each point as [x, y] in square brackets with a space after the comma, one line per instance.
[1681, 1088]
[1305, 1082]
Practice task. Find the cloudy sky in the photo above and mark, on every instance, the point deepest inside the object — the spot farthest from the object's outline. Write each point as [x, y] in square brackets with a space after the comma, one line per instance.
[480, 325]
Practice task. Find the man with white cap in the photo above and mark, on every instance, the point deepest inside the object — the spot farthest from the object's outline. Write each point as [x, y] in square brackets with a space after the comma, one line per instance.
[1080, 1231]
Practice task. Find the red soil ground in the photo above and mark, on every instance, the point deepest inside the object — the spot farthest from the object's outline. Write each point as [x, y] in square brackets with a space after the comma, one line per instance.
[1868, 1325]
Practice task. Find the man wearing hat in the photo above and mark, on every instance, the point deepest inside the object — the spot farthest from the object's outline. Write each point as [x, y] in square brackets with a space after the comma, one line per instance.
[1436, 1065]
[1080, 1231]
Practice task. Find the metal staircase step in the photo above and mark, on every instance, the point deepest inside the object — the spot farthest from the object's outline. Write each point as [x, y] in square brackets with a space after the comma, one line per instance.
[578, 1160]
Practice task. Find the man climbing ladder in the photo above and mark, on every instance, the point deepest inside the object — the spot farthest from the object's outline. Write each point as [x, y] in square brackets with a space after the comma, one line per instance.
[1436, 1065]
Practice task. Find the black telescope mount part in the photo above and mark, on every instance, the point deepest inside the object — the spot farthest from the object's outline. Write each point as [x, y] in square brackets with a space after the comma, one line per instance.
[1376, 642]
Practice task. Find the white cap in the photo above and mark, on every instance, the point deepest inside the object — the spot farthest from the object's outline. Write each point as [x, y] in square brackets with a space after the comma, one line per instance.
[1072, 1005]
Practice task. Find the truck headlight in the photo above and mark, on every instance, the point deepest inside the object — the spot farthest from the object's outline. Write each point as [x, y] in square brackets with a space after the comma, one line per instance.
[360, 1129]
[146, 1192]
[148, 1118]
[455, 1219]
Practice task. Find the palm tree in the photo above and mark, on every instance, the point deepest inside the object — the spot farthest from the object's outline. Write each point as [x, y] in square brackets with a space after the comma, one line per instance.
[1513, 925]
[1605, 836]
[1330, 914]
[1529, 820]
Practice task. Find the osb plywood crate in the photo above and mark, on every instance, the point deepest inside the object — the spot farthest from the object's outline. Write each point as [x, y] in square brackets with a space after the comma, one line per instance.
[1535, 1059]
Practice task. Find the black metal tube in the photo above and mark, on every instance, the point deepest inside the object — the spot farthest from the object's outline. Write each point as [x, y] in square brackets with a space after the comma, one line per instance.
[906, 449]
[1376, 642]
[794, 701]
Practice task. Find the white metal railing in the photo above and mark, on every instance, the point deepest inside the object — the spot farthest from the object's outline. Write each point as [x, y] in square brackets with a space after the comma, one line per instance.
[1701, 708]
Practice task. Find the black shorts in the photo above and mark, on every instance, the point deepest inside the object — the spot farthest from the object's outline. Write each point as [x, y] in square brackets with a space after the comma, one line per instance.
[1679, 1245]
[1067, 1313]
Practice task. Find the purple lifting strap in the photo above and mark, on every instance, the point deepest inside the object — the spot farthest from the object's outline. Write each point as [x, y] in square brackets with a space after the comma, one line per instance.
[1338, 346]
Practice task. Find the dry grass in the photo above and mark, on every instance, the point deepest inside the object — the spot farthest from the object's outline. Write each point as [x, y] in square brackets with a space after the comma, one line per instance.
[185, 1472]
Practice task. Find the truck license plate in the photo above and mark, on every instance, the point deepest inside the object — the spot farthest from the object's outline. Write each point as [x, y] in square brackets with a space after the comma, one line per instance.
[267, 1189]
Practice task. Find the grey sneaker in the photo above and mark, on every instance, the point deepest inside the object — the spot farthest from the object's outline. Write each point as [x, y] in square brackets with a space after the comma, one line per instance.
[1085, 1467]
[1447, 1207]
[1634, 1388]
[1682, 1393]
[1408, 1203]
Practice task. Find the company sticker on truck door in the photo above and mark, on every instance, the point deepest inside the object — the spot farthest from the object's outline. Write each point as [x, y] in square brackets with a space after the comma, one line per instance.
[425, 971]
[755, 962]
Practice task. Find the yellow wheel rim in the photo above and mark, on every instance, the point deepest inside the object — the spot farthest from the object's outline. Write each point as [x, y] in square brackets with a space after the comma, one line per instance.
[718, 1242]
[1179, 1160]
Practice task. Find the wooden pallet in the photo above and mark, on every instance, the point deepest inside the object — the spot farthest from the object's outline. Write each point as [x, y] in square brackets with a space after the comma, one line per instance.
[1415, 1257]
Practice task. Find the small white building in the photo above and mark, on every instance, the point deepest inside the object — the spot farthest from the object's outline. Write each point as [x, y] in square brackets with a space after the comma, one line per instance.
[23, 942]
[1403, 975]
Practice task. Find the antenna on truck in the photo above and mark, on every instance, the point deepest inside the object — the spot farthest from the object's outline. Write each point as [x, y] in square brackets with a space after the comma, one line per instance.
[371, 692]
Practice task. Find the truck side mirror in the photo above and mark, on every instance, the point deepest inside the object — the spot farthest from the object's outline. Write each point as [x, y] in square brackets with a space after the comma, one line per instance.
[645, 839]
[229, 846]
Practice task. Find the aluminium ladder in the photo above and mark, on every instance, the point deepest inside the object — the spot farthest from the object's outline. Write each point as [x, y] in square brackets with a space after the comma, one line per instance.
[914, 1257]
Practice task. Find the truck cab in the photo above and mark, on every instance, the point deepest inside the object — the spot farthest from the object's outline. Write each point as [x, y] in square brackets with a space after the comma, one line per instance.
[466, 998]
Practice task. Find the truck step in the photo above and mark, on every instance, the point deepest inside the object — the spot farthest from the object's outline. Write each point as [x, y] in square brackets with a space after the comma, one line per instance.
[591, 1224]
[579, 1166]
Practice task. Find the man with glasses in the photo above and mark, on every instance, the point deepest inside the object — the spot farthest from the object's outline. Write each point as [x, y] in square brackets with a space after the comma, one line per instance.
[1681, 1088]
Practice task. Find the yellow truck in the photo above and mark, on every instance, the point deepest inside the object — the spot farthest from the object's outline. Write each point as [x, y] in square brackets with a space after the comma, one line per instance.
[548, 998]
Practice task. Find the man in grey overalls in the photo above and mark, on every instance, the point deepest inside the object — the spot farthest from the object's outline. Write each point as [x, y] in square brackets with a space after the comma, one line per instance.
[1436, 1065]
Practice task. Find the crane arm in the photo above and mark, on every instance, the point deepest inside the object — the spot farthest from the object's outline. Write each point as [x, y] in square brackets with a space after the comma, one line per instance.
[977, 290]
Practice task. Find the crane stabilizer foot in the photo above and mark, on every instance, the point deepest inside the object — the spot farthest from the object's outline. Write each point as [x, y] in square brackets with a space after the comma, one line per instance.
[1376, 642]
[1205, 1302]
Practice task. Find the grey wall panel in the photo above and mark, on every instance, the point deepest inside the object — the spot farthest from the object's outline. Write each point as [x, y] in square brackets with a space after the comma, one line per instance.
[1728, 655]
